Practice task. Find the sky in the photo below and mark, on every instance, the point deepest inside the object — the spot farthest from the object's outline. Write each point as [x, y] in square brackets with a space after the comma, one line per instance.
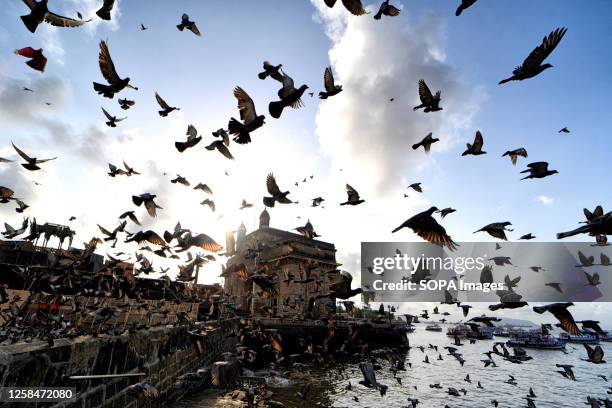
[357, 137]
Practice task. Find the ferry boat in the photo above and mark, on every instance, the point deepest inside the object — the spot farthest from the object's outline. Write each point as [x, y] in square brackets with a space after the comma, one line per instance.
[606, 337]
[586, 337]
[433, 327]
[501, 332]
[464, 331]
[535, 339]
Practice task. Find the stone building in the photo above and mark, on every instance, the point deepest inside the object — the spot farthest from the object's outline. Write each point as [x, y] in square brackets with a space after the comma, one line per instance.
[300, 270]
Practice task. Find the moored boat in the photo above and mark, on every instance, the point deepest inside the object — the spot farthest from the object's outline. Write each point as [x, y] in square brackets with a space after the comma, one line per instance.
[433, 327]
[535, 339]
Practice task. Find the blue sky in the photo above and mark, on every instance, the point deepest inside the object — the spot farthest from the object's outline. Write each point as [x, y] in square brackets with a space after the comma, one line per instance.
[358, 131]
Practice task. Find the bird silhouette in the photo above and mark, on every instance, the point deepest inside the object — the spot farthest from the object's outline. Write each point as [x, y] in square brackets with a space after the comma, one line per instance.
[250, 120]
[276, 195]
[192, 139]
[475, 148]
[188, 24]
[464, 5]
[352, 197]
[430, 102]
[425, 226]
[289, 95]
[115, 83]
[532, 65]
[112, 120]
[426, 143]
[331, 88]
[39, 12]
[166, 109]
[538, 170]
[355, 7]
[514, 154]
[105, 11]
[37, 60]
[31, 162]
[386, 9]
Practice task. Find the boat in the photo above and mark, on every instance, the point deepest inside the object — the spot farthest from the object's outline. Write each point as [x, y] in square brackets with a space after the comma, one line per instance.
[586, 337]
[465, 331]
[606, 337]
[433, 327]
[535, 339]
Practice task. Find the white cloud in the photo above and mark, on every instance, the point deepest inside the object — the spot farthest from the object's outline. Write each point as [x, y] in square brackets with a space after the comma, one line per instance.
[542, 199]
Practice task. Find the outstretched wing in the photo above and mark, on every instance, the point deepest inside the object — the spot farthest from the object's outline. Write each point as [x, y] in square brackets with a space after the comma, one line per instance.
[538, 166]
[107, 67]
[245, 105]
[353, 195]
[61, 21]
[355, 7]
[272, 186]
[424, 92]
[328, 79]
[224, 151]
[431, 231]
[207, 243]
[22, 154]
[542, 51]
[108, 115]
[288, 86]
[478, 141]
[161, 102]
[154, 238]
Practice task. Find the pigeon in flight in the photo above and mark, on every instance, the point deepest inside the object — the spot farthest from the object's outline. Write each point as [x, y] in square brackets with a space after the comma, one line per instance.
[107, 67]
[31, 162]
[149, 203]
[39, 13]
[425, 226]
[250, 120]
[289, 95]
[445, 211]
[112, 120]
[105, 10]
[464, 4]
[166, 109]
[428, 101]
[244, 205]
[204, 188]
[475, 148]
[223, 135]
[353, 6]
[416, 187]
[353, 197]
[221, 148]
[190, 25]
[426, 143]
[276, 194]
[532, 66]
[527, 236]
[181, 180]
[272, 71]
[331, 88]
[131, 216]
[564, 130]
[538, 170]
[514, 154]
[126, 104]
[37, 60]
[387, 10]
[565, 318]
[192, 139]
[496, 229]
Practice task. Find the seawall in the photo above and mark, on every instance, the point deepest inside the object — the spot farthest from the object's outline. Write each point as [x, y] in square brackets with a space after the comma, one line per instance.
[163, 353]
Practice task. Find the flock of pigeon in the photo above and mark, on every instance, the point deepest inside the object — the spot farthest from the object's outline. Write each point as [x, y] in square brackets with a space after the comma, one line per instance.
[597, 224]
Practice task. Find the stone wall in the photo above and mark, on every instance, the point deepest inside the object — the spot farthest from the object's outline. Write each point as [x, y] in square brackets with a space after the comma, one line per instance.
[163, 353]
